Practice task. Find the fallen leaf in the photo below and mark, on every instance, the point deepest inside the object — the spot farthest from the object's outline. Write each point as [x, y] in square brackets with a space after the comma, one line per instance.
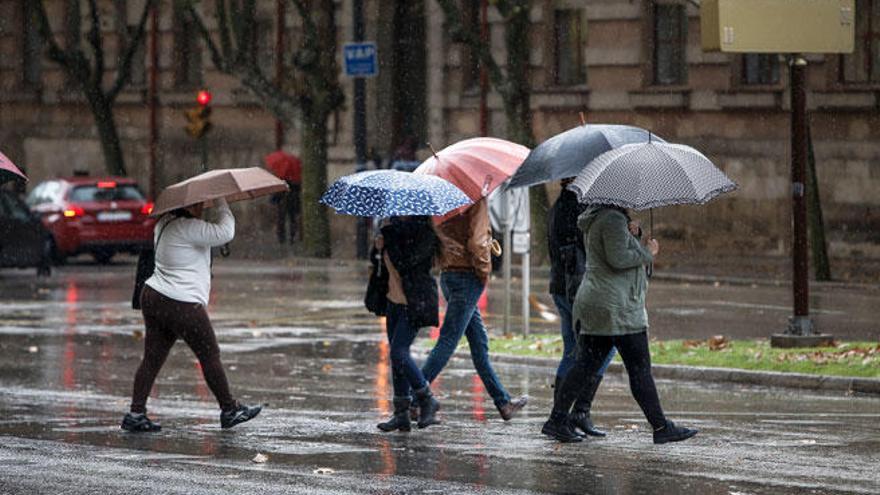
[33, 349]
[260, 458]
[137, 334]
[327, 368]
[324, 470]
[718, 342]
[691, 344]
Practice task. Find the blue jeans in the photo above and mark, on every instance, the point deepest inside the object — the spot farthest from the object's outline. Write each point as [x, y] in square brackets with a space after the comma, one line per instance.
[405, 374]
[462, 290]
[569, 340]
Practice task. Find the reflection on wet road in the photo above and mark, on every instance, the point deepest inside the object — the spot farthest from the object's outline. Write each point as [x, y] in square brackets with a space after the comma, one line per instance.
[299, 341]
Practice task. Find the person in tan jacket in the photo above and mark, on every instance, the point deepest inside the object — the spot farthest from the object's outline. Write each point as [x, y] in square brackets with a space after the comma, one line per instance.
[466, 262]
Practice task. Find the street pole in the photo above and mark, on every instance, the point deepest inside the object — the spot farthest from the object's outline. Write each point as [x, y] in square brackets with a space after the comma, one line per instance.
[153, 97]
[800, 331]
[360, 126]
[279, 64]
[484, 74]
[203, 145]
[507, 255]
[526, 270]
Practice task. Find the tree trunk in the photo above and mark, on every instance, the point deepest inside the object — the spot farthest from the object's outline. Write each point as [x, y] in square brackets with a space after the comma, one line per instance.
[102, 109]
[316, 223]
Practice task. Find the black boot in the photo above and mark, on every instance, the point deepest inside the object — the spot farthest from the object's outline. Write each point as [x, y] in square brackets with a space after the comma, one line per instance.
[580, 416]
[672, 433]
[549, 428]
[559, 427]
[428, 407]
[400, 420]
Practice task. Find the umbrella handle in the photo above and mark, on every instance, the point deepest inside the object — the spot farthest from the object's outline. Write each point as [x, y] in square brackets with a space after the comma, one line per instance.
[224, 250]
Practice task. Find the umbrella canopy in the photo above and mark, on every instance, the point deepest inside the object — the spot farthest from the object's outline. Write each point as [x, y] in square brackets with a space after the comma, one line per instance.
[388, 193]
[476, 166]
[285, 166]
[565, 155]
[233, 184]
[650, 175]
[8, 170]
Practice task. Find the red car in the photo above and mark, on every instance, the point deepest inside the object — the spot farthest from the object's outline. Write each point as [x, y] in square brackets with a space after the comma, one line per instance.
[101, 216]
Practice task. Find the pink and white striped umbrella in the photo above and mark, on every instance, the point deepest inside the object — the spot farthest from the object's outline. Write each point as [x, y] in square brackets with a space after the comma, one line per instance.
[476, 166]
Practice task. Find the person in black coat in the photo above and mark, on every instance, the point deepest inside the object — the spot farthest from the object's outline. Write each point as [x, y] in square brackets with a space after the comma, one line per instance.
[408, 246]
[567, 267]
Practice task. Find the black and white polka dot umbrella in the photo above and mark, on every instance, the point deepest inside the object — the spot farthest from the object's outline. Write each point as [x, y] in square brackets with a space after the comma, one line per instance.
[650, 175]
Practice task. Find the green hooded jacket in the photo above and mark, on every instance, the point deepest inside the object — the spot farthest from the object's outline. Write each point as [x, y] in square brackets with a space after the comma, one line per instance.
[611, 297]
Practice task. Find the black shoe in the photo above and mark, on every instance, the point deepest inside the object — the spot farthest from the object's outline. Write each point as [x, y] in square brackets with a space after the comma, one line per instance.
[560, 428]
[138, 423]
[672, 433]
[239, 415]
[428, 407]
[511, 408]
[400, 420]
[581, 420]
[414, 412]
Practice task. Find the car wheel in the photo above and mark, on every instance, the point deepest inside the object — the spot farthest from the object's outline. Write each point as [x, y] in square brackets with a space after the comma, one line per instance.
[103, 257]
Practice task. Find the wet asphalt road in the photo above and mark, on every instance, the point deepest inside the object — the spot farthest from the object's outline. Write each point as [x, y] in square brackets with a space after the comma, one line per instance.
[297, 339]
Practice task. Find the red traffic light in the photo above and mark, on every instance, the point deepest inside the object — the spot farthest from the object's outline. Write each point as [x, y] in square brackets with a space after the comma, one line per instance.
[204, 97]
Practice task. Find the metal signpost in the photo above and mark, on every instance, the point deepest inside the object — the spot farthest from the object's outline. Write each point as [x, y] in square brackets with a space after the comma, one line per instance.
[785, 26]
[361, 61]
[511, 209]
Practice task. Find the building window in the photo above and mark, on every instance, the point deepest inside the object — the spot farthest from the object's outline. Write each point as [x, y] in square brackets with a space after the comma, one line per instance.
[187, 50]
[863, 64]
[568, 54]
[31, 51]
[470, 59]
[670, 42]
[760, 69]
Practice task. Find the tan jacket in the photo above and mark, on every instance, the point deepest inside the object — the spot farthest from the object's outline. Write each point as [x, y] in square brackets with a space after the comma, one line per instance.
[466, 241]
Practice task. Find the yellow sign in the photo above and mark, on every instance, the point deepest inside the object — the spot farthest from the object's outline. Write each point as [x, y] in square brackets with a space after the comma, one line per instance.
[778, 26]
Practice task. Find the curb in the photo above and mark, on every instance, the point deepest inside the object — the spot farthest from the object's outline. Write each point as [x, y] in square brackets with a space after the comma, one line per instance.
[853, 385]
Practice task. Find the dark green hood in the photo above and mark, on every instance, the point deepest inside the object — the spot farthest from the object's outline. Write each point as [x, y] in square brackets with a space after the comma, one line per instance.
[586, 219]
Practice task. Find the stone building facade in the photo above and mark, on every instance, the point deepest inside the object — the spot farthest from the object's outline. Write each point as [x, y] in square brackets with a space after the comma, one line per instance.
[617, 61]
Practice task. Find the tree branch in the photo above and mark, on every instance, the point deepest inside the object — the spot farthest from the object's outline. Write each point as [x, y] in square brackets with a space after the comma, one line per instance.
[223, 27]
[219, 61]
[55, 52]
[123, 72]
[96, 40]
[468, 36]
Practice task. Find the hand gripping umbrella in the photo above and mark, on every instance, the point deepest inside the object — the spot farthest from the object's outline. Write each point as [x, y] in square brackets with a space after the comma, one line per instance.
[389, 193]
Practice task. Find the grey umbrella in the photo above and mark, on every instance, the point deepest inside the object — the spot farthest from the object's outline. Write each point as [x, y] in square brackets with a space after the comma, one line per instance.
[650, 175]
[565, 155]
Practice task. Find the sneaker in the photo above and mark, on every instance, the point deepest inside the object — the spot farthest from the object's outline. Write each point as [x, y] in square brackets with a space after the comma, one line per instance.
[511, 408]
[240, 414]
[673, 433]
[139, 423]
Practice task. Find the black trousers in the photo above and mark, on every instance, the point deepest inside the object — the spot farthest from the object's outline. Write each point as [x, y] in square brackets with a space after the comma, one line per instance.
[591, 353]
[287, 205]
[167, 320]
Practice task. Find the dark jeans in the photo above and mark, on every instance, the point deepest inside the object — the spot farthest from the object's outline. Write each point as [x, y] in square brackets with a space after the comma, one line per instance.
[405, 374]
[591, 353]
[569, 341]
[167, 320]
[287, 205]
[462, 290]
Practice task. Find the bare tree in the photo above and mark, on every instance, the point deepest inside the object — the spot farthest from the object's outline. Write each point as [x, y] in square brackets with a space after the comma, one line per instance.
[314, 90]
[511, 83]
[88, 70]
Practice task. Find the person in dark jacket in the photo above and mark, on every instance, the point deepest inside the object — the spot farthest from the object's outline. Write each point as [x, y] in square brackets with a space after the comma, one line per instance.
[409, 245]
[567, 268]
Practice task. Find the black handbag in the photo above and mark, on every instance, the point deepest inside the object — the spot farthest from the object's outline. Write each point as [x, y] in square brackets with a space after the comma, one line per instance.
[146, 265]
[376, 298]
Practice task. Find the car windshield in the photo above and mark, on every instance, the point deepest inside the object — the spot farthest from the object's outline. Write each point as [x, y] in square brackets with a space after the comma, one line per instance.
[121, 192]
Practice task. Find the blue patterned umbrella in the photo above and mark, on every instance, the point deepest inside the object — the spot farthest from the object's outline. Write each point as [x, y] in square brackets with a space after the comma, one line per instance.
[391, 193]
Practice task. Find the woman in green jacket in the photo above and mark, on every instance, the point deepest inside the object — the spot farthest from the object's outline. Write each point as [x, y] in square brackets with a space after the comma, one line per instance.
[609, 311]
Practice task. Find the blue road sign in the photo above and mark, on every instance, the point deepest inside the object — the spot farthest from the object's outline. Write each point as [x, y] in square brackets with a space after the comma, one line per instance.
[360, 59]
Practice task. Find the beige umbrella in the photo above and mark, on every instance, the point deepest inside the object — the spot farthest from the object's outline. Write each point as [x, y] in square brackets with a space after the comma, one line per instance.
[234, 184]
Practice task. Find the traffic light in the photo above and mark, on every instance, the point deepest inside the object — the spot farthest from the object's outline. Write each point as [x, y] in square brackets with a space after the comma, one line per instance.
[197, 117]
